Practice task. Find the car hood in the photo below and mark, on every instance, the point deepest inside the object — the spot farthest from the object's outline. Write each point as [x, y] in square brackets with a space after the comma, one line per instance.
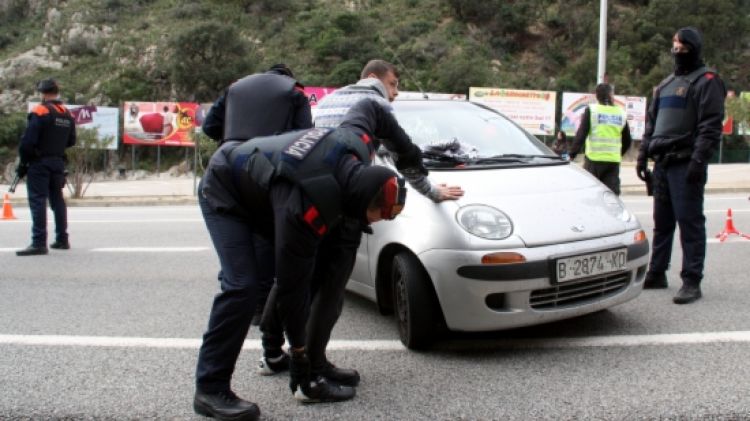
[547, 204]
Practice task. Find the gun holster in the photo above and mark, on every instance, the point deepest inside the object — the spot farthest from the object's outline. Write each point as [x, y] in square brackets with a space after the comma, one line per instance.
[649, 183]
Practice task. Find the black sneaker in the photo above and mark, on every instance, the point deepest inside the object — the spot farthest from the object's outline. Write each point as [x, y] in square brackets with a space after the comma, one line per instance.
[342, 376]
[32, 250]
[225, 406]
[267, 367]
[321, 390]
[655, 280]
[60, 245]
[687, 294]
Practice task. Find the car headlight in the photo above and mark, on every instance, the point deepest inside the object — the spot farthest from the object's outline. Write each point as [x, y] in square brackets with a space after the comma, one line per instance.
[485, 222]
[615, 206]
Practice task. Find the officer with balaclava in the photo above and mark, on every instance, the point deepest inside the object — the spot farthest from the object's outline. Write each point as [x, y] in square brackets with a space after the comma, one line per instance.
[50, 130]
[683, 129]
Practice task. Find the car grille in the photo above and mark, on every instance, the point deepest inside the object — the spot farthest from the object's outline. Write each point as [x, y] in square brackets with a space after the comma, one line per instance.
[579, 292]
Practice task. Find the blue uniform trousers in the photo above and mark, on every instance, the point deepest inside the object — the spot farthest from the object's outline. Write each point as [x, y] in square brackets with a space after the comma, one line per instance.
[45, 180]
[233, 307]
[678, 203]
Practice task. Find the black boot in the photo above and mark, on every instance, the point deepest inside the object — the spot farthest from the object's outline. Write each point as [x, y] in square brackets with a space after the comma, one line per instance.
[655, 280]
[32, 250]
[307, 389]
[342, 376]
[60, 245]
[321, 390]
[225, 406]
[687, 294]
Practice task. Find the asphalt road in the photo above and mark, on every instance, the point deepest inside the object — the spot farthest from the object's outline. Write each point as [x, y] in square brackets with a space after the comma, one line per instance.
[110, 330]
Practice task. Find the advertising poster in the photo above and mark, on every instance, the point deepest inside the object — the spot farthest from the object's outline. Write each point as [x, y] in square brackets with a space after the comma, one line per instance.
[573, 105]
[726, 125]
[159, 123]
[741, 128]
[103, 119]
[532, 110]
[316, 93]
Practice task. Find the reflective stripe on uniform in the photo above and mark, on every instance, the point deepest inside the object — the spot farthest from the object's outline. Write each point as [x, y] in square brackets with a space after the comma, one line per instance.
[604, 142]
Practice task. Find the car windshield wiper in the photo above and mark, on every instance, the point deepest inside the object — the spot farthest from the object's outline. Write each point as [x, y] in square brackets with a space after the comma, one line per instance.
[511, 157]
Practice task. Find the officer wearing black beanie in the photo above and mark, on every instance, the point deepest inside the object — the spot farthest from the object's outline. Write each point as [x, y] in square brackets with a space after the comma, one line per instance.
[683, 129]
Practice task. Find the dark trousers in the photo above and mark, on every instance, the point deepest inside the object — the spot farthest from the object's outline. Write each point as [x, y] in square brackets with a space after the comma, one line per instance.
[45, 180]
[678, 203]
[233, 308]
[606, 172]
[334, 263]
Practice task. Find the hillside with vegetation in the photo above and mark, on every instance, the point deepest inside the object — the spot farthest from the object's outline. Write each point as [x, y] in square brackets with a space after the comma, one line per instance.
[110, 51]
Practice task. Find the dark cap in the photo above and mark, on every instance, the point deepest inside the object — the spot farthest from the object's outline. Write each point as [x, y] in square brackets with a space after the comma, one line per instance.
[281, 69]
[604, 93]
[47, 86]
[691, 37]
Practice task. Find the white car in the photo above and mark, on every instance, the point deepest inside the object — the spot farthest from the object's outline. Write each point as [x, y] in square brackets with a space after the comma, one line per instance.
[534, 239]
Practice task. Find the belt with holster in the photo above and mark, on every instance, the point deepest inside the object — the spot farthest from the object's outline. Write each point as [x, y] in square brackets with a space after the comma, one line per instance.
[673, 157]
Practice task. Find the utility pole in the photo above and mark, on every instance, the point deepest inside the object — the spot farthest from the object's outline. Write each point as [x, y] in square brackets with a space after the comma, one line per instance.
[602, 70]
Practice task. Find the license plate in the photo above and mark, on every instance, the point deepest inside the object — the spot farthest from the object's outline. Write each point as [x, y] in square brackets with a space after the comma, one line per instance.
[592, 264]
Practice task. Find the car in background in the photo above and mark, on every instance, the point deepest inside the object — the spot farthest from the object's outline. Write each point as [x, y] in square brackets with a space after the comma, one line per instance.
[535, 238]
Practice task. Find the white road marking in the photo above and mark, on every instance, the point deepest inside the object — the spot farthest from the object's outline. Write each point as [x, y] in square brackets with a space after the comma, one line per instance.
[148, 249]
[391, 345]
[707, 211]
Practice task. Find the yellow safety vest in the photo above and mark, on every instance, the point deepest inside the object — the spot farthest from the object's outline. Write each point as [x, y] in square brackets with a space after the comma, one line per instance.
[604, 142]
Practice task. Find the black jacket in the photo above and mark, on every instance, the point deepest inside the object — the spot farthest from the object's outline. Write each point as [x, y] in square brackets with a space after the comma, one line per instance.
[266, 104]
[707, 94]
[50, 130]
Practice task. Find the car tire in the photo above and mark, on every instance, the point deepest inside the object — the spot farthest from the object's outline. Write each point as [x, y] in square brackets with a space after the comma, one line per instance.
[415, 303]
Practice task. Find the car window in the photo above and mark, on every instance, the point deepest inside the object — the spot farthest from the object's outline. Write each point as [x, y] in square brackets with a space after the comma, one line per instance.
[473, 130]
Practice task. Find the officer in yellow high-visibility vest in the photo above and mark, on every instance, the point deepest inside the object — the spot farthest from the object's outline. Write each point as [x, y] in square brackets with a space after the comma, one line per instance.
[605, 129]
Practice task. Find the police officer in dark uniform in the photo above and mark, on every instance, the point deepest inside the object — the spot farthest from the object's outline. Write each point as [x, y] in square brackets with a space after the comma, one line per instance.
[683, 129]
[51, 129]
[375, 122]
[261, 104]
[293, 189]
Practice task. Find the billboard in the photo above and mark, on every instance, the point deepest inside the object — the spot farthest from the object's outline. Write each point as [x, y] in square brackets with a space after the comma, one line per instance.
[159, 123]
[430, 95]
[103, 119]
[574, 104]
[316, 93]
[742, 129]
[532, 110]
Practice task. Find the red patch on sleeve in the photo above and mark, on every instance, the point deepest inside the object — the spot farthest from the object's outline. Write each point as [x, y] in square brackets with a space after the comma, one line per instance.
[710, 76]
[40, 110]
[311, 217]
[365, 138]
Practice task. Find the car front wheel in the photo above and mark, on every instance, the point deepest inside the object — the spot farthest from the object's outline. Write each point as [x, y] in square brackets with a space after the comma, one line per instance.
[415, 303]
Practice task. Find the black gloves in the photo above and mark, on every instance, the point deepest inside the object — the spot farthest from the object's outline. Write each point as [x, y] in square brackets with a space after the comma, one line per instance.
[696, 172]
[411, 159]
[299, 371]
[22, 169]
[641, 168]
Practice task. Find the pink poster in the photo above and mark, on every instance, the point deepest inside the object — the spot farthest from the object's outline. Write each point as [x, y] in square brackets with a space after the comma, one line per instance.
[159, 123]
[315, 94]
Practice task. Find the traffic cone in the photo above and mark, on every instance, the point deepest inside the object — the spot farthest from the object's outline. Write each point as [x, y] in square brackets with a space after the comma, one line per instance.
[7, 209]
[730, 229]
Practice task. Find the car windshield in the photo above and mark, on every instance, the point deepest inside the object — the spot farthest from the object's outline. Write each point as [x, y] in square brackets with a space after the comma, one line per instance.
[460, 133]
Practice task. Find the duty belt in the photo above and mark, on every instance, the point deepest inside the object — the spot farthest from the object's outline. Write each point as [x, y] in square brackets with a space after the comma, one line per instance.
[673, 157]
